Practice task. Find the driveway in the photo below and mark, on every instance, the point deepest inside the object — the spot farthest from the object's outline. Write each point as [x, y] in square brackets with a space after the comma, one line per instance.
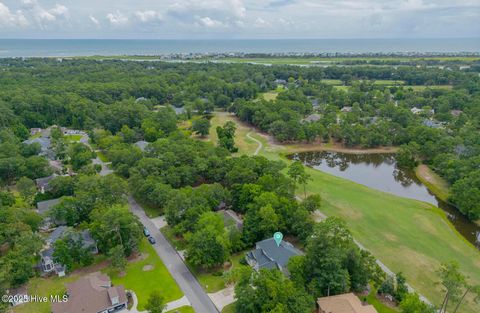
[199, 300]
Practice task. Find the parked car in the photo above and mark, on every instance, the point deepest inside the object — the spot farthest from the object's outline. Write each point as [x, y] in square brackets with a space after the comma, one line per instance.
[152, 240]
[146, 232]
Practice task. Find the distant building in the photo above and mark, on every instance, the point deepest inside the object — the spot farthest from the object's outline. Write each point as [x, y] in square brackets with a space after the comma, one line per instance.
[432, 124]
[45, 146]
[346, 303]
[230, 218]
[34, 131]
[312, 118]
[346, 109]
[47, 262]
[268, 255]
[280, 82]
[141, 144]
[43, 183]
[44, 206]
[417, 111]
[93, 293]
[140, 99]
[456, 113]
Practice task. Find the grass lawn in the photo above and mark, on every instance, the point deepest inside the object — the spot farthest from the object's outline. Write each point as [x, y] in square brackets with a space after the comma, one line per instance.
[231, 308]
[44, 287]
[73, 137]
[102, 156]
[144, 282]
[407, 235]
[270, 96]
[333, 82]
[184, 309]
[434, 183]
[421, 88]
[343, 88]
[379, 306]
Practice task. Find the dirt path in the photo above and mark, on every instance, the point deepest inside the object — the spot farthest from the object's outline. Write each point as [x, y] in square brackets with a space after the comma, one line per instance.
[260, 144]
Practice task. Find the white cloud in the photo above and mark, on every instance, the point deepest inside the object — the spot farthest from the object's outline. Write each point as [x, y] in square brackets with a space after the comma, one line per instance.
[9, 19]
[208, 22]
[43, 17]
[94, 20]
[117, 19]
[148, 16]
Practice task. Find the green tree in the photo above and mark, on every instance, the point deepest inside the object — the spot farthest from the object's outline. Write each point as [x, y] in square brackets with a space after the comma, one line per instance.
[226, 136]
[270, 291]
[208, 246]
[156, 303]
[201, 126]
[412, 304]
[312, 202]
[27, 189]
[453, 282]
[297, 172]
[117, 257]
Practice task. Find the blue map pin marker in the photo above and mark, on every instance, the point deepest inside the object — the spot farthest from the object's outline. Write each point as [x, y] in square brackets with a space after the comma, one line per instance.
[278, 236]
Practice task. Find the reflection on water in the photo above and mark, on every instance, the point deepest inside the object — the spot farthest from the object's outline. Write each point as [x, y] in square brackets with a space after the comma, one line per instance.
[380, 171]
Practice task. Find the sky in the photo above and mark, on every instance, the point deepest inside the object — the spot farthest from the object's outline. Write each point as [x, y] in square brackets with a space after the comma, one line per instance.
[239, 19]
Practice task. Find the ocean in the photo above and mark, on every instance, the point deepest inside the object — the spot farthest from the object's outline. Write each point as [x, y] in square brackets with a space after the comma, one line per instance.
[89, 47]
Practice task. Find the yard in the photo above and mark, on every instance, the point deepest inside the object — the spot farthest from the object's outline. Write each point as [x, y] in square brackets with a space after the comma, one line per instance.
[73, 137]
[183, 309]
[406, 235]
[143, 281]
[44, 287]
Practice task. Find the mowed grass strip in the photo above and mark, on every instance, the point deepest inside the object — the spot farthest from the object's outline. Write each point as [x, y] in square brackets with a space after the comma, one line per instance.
[144, 282]
[407, 235]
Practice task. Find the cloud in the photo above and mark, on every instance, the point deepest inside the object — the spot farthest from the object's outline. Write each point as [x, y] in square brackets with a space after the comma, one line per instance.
[43, 17]
[208, 22]
[9, 19]
[117, 19]
[148, 16]
[280, 3]
[94, 20]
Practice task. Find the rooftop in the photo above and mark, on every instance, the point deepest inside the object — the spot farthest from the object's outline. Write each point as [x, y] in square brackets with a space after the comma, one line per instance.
[268, 255]
[90, 294]
[44, 206]
[346, 303]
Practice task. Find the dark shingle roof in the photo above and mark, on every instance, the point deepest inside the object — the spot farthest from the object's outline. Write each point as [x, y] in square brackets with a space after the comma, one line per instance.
[268, 255]
[44, 206]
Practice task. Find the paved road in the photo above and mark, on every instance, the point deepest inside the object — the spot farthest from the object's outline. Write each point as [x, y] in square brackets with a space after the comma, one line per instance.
[200, 301]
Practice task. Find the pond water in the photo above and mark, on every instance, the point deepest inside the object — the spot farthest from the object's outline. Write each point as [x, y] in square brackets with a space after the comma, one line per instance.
[380, 171]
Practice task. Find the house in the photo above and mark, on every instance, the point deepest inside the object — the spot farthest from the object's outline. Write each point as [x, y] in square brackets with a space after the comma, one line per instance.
[42, 183]
[312, 118]
[345, 303]
[416, 110]
[34, 131]
[346, 109]
[47, 262]
[93, 293]
[44, 206]
[141, 144]
[230, 218]
[432, 124]
[179, 110]
[140, 99]
[280, 82]
[45, 146]
[269, 256]
[456, 113]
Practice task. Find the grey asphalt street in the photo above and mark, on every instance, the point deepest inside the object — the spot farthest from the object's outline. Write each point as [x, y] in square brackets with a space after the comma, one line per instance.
[200, 301]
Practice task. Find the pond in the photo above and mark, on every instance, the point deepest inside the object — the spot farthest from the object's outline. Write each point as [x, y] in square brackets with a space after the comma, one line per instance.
[380, 171]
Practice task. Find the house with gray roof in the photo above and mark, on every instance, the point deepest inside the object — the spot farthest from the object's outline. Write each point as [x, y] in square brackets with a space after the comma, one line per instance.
[47, 262]
[43, 183]
[312, 118]
[268, 255]
[45, 146]
[44, 206]
[141, 144]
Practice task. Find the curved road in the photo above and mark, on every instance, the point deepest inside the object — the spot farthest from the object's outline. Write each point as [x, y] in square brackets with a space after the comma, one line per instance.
[195, 294]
